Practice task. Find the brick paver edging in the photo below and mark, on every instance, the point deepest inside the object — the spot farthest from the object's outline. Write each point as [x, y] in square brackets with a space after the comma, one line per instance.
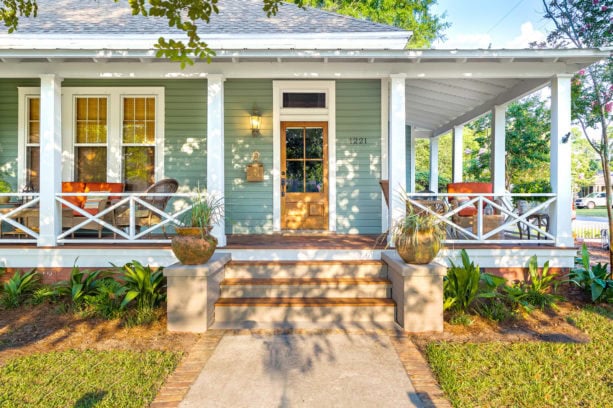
[418, 370]
[178, 383]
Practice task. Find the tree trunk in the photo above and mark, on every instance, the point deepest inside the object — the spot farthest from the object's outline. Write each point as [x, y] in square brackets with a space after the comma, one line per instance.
[606, 170]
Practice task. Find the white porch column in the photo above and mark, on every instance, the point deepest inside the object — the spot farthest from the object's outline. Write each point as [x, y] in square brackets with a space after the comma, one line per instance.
[560, 161]
[433, 185]
[458, 154]
[411, 153]
[498, 148]
[215, 148]
[50, 158]
[397, 148]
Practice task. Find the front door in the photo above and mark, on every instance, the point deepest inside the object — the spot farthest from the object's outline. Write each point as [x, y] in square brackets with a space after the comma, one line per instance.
[304, 175]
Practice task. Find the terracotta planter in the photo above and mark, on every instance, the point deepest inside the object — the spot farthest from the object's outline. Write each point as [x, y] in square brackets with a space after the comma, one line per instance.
[191, 247]
[420, 250]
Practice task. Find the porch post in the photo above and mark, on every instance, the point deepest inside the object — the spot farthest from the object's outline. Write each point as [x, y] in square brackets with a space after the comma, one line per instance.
[458, 152]
[50, 221]
[397, 148]
[433, 185]
[498, 148]
[561, 227]
[215, 148]
[411, 179]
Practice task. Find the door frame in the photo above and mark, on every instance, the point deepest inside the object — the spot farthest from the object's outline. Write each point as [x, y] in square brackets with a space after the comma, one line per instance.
[326, 164]
[327, 114]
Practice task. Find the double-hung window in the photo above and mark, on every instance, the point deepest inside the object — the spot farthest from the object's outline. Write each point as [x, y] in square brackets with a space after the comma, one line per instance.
[113, 134]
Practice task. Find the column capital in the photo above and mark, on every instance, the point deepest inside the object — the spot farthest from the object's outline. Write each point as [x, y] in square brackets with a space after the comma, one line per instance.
[52, 77]
[562, 76]
[217, 77]
[398, 76]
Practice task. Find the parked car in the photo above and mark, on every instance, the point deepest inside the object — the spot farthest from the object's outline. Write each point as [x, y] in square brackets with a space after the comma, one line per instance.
[597, 199]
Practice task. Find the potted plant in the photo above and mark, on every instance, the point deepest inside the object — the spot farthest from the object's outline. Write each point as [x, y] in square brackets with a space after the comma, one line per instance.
[194, 243]
[418, 236]
[5, 187]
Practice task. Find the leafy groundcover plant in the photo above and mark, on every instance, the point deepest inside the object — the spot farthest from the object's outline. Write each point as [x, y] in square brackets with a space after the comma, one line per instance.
[19, 288]
[596, 280]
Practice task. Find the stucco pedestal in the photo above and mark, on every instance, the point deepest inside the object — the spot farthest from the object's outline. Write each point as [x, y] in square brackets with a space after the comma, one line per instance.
[192, 293]
[418, 292]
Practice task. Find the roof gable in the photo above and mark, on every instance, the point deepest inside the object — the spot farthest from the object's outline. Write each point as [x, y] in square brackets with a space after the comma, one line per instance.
[106, 18]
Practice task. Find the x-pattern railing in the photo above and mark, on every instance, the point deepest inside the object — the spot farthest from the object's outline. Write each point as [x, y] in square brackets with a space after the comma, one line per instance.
[16, 217]
[500, 205]
[118, 207]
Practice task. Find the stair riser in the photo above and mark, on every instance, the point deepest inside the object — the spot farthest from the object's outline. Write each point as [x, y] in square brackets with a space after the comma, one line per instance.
[306, 271]
[304, 291]
[300, 314]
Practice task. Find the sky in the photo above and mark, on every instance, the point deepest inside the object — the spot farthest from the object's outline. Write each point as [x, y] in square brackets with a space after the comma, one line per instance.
[501, 23]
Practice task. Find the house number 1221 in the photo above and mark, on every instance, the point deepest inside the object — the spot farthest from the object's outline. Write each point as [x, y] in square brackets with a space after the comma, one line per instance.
[358, 140]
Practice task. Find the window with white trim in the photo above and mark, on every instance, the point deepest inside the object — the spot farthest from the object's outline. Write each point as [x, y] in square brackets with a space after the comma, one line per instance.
[113, 134]
[33, 142]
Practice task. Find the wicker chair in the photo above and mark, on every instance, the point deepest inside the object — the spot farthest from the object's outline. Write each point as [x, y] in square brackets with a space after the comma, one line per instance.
[145, 217]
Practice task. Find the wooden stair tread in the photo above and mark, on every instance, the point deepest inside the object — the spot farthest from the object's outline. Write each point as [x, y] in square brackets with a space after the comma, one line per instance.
[303, 281]
[307, 302]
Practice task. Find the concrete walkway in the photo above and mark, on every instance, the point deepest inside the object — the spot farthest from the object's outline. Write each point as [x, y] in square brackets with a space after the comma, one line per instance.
[303, 370]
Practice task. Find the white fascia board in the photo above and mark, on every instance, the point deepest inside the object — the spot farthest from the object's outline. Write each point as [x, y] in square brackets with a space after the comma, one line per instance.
[394, 40]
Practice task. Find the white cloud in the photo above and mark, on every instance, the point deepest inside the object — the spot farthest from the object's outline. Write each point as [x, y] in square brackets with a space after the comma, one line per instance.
[527, 35]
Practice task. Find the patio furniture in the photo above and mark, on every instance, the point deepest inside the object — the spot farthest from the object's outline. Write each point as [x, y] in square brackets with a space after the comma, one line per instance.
[144, 216]
[466, 216]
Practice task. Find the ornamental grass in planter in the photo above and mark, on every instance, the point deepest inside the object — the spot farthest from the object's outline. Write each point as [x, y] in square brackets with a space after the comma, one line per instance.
[418, 236]
[194, 243]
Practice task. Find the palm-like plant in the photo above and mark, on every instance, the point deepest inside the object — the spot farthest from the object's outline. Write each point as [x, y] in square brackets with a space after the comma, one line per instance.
[82, 283]
[18, 287]
[146, 287]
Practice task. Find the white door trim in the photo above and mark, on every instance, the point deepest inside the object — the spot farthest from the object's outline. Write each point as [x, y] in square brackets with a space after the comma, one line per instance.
[284, 115]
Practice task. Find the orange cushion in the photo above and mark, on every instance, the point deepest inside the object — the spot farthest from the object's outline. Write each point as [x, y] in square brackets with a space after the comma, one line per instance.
[468, 211]
[471, 187]
[112, 187]
[74, 187]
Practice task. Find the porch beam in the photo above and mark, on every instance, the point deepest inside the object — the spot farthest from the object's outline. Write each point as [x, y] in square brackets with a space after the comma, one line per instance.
[561, 227]
[458, 153]
[397, 148]
[497, 163]
[50, 222]
[524, 88]
[291, 70]
[433, 185]
[215, 148]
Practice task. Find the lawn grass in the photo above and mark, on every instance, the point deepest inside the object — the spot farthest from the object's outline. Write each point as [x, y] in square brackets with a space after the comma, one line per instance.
[594, 212]
[85, 378]
[531, 374]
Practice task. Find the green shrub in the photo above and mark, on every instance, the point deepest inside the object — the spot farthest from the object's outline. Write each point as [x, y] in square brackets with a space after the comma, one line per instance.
[106, 303]
[593, 279]
[139, 317]
[45, 293]
[81, 284]
[16, 290]
[144, 286]
[465, 284]
[541, 285]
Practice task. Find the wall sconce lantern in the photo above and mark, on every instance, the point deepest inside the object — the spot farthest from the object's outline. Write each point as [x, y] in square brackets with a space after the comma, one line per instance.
[256, 122]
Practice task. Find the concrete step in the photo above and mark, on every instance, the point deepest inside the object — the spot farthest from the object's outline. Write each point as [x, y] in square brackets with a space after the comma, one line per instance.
[305, 269]
[306, 288]
[242, 311]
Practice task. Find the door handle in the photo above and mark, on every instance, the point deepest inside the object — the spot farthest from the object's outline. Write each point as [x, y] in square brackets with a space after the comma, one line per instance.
[283, 187]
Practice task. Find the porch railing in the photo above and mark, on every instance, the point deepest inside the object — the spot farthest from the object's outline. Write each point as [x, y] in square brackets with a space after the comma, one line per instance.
[507, 225]
[19, 217]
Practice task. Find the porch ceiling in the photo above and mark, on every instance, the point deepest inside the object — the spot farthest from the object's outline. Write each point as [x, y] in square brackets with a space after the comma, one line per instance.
[435, 106]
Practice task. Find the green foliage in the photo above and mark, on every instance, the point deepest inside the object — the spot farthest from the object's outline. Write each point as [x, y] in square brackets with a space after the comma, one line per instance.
[526, 143]
[140, 317]
[461, 285]
[85, 378]
[144, 286]
[81, 284]
[206, 211]
[413, 15]
[534, 187]
[106, 302]
[539, 289]
[16, 290]
[596, 280]
[45, 293]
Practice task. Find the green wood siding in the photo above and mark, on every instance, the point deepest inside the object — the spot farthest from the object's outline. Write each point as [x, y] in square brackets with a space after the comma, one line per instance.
[8, 127]
[358, 167]
[248, 204]
[185, 125]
